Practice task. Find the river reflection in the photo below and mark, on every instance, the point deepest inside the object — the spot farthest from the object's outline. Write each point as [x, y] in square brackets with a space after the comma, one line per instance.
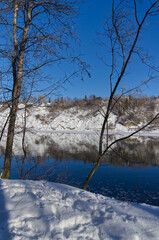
[130, 171]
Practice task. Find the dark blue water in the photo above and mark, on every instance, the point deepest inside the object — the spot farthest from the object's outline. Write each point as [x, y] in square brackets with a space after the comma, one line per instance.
[129, 173]
[139, 185]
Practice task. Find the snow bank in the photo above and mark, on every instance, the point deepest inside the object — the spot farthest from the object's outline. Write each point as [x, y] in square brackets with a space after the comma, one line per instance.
[43, 210]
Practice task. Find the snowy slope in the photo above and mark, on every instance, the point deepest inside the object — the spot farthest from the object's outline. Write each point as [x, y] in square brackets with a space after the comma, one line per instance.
[41, 117]
[43, 210]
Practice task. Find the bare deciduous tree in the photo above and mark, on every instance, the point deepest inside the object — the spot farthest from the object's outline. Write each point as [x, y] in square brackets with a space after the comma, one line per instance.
[123, 29]
[33, 35]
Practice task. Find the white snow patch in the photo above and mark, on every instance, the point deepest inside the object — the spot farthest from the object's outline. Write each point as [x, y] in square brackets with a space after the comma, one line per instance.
[43, 210]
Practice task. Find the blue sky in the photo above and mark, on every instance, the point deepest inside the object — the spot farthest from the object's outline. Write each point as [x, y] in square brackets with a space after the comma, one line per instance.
[89, 22]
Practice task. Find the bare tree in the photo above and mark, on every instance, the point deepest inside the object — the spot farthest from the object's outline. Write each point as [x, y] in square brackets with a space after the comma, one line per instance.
[33, 35]
[123, 29]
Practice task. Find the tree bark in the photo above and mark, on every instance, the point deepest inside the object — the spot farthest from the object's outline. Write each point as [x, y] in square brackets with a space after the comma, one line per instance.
[17, 65]
[9, 144]
[92, 172]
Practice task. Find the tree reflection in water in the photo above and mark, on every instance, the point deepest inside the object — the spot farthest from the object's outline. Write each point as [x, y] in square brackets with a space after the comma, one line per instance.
[68, 158]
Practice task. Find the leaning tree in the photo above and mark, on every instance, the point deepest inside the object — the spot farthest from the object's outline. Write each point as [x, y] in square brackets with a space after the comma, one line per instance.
[122, 34]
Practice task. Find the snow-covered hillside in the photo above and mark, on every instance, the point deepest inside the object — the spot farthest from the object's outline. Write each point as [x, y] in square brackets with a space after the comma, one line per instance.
[42, 121]
[39, 117]
[46, 211]
[42, 117]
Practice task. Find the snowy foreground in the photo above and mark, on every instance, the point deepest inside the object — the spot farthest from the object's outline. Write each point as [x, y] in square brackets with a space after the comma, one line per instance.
[43, 210]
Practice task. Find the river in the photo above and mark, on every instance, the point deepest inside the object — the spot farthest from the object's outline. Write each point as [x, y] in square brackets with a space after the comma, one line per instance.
[129, 172]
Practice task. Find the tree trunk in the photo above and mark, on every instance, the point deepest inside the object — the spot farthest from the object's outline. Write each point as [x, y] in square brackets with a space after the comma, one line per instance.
[12, 120]
[92, 172]
[9, 144]
[17, 65]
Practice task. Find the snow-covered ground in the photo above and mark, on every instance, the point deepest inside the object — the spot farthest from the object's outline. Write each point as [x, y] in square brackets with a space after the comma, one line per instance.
[44, 210]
